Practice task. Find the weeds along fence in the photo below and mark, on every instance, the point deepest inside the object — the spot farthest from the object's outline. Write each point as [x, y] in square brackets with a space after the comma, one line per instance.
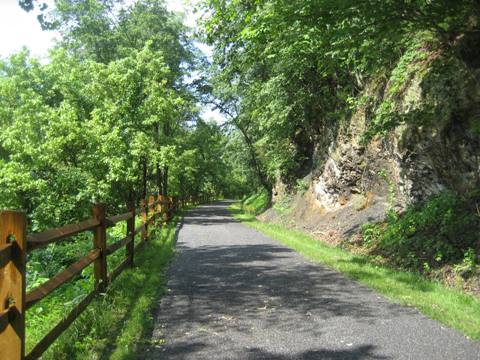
[15, 244]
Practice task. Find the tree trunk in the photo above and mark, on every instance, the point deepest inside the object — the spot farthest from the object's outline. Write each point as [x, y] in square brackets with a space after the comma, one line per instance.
[262, 177]
[159, 179]
[167, 132]
[144, 178]
[159, 170]
[165, 181]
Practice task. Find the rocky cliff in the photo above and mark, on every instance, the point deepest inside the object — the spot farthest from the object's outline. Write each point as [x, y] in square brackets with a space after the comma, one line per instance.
[426, 120]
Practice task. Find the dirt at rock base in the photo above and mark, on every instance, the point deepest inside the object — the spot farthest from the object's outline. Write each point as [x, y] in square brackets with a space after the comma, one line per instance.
[303, 212]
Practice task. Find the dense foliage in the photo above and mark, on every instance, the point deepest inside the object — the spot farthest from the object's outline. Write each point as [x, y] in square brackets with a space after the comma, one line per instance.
[110, 116]
[87, 127]
[113, 114]
[442, 231]
[291, 73]
[291, 76]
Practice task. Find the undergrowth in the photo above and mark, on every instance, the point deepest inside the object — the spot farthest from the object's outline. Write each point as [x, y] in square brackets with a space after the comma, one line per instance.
[255, 203]
[116, 323]
[442, 231]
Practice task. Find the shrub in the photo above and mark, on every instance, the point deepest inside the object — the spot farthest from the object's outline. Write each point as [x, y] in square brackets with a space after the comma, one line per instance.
[301, 186]
[443, 230]
[256, 203]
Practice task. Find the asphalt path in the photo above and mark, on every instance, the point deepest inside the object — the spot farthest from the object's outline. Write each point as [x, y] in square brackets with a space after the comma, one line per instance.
[234, 293]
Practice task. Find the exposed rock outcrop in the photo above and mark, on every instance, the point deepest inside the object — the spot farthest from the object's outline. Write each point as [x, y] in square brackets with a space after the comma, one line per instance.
[356, 181]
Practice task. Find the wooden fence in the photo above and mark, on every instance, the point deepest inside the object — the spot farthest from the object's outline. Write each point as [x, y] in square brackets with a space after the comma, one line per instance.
[15, 243]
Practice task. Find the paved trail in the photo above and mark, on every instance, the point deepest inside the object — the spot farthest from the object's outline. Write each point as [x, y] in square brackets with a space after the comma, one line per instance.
[237, 294]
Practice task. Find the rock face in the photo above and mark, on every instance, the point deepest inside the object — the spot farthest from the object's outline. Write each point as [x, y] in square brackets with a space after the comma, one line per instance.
[415, 159]
[431, 161]
[411, 161]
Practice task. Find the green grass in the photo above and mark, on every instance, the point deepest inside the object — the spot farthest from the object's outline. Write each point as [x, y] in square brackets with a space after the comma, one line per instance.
[117, 324]
[255, 203]
[451, 307]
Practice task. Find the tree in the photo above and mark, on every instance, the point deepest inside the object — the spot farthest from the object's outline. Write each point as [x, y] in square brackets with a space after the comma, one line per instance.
[295, 68]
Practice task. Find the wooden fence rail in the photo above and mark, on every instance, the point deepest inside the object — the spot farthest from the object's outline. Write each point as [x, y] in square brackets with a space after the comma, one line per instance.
[15, 244]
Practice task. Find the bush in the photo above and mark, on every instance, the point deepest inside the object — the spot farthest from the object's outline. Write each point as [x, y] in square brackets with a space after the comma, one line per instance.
[256, 203]
[116, 324]
[301, 186]
[443, 230]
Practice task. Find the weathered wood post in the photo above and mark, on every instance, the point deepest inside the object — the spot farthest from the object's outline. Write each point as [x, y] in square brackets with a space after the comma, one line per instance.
[131, 232]
[143, 205]
[100, 242]
[12, 284]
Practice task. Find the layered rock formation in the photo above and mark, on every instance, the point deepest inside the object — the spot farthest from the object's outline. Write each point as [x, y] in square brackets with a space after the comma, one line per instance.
[434, 146]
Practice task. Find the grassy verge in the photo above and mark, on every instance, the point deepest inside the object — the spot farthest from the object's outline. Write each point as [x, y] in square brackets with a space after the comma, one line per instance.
[256, 203]
[116, 324]
[451, 307]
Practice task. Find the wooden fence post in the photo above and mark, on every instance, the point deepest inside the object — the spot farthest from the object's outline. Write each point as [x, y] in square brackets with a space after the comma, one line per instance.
[131, 232]
[100, 242]
[12, 284]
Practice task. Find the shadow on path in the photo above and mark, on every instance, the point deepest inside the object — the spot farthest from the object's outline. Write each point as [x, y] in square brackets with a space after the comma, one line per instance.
[236, 294]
